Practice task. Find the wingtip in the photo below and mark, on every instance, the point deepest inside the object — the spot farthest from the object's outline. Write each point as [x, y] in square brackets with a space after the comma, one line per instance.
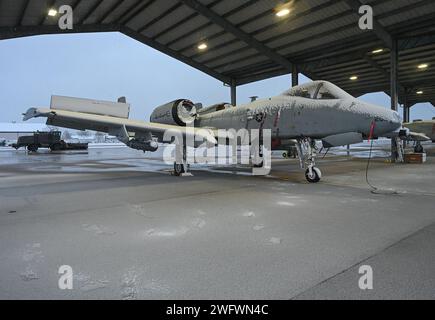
[30, 113]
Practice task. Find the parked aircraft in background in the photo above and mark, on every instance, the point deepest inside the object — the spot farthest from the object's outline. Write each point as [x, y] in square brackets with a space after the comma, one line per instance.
[422, 130]
[315, 110]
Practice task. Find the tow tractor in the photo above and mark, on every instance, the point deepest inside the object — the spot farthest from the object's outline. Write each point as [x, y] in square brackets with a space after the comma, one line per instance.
[51, 140]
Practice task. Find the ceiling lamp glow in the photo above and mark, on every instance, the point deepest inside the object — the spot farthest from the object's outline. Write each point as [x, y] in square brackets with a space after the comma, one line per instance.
[353, 78]
[377, 51]
[423, 66]
[202, 46]
[420, 92]
[283, 12]
[52, 12]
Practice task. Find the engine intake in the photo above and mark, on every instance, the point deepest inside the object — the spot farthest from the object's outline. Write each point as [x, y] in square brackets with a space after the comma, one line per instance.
[180, 112]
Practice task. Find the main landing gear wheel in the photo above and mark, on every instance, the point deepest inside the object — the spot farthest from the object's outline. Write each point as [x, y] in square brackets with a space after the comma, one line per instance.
[178, 169]
[314, 176]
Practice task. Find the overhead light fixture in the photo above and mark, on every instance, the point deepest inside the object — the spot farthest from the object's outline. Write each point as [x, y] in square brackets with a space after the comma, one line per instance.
[353, 78]
[423, 66]
[202, 46]
[377, 51]
[52, 12]
[283, 12]
[419, 92]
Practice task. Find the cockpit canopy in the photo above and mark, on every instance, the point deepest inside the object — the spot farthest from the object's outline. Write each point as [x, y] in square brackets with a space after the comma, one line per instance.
[320, 90]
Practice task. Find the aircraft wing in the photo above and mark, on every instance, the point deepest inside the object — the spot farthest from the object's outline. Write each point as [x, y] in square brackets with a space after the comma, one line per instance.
[116, 126]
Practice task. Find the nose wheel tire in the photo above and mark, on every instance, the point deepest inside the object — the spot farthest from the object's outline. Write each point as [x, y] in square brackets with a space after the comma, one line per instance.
[314, 176]
[258, 164]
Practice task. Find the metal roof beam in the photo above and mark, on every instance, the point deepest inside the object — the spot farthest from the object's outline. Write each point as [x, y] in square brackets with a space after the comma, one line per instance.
[302, 28]
[49, 4]
[76, 4]
[159, 17]
[341, 56]
[90, 11]
[378, 67]
[200, 28]
[110, 10]
[415, 26]
[363, 38]
[276, 24]
[260, 76]
[378, 29]
[130, 16]
[172, 53]
[26, 31]
[182, 21]
[126, 12]
[22, 13]
[230, 28]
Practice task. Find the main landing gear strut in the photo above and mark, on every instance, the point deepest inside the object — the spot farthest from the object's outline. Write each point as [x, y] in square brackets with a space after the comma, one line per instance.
[307, 152]
[182, 168]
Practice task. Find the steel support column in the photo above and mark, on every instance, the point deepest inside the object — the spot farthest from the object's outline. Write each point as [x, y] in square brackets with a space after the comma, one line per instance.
[405, 111]
[295, 75]
[394, 94]
[233, 88]
[405, 107]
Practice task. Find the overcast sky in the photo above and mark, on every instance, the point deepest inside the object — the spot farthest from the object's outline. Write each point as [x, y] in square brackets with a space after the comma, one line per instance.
[108, 65]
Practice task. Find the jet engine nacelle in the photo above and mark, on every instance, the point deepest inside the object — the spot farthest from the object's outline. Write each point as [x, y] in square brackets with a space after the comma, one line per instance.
[180, 112]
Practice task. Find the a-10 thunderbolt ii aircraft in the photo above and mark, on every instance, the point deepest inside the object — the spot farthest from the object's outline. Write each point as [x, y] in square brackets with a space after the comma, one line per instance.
[317, 110]
[421, 130]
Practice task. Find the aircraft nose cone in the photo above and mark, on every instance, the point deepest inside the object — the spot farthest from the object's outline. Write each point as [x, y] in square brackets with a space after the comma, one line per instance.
[396, 121]
[389, 122]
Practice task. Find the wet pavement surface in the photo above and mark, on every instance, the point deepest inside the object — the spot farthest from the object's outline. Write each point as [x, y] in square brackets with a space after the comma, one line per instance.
[131, 230]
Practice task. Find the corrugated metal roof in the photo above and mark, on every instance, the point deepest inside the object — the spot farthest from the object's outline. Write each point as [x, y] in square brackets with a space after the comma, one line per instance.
[248, 42]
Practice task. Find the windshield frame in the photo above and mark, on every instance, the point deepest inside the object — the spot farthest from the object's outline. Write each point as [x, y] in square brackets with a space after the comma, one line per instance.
[312, 89]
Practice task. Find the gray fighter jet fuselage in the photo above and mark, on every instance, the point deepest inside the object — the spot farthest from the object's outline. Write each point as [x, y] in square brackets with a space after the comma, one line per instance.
[316, 110]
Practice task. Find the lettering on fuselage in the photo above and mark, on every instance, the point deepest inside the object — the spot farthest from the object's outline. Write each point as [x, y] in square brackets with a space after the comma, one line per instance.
[190, 147]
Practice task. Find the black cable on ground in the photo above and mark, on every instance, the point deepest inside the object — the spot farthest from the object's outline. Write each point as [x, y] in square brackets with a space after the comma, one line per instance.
[376, 190]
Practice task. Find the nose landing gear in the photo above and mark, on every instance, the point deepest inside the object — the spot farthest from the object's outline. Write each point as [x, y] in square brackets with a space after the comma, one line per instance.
[306, 148]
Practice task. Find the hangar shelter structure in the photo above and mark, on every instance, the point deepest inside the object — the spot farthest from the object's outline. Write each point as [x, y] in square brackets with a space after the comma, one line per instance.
[242, 41]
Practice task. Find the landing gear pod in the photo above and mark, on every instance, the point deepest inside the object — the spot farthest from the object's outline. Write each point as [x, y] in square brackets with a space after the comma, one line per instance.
[180, 112]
